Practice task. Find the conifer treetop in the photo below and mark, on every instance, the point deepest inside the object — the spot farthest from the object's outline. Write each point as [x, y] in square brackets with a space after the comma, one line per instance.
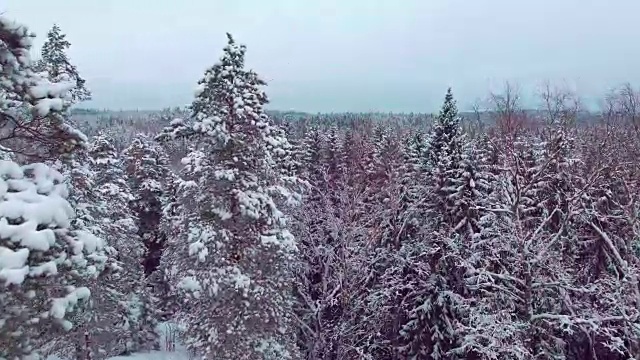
[57, 66]
[446, 138]
[102, 147]
[56, 45]
[229, 99]
[449, 112]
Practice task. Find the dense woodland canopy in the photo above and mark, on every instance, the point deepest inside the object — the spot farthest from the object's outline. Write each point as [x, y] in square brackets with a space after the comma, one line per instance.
[498, 234]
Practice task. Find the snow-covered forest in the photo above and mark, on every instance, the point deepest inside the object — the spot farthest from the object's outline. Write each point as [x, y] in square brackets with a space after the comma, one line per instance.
[504, 233]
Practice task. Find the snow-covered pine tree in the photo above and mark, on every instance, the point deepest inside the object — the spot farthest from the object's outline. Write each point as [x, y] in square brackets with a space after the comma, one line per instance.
[83, 197]
[435, 306]
[413, 180]
[445, 138]
[44, 264]
[175, 139]
[314, 268]
[353, 246]
[469, 185]
[538, 285]
[382, 318]
[31, 120]
[123, 296]
[32, 126]
[80, 177]
[147, 170]
[287, 154]
[235, 272]
[352, 170]
[331, 162]
[57, 67]
[492, 330]
[437, 319]
[451, 181]
[414, 151]
[310, 155]
[318, 286]
[331, 272]
[443, 159]
[400, 264]
[172, 223]
[288, 171]
[391, 191]
[489, 157]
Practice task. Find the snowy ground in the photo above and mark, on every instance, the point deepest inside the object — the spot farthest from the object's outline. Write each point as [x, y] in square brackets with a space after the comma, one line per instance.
[153, 355]
[180, 352]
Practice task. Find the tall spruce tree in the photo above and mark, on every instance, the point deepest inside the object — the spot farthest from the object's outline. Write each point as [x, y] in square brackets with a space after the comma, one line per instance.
[444, 156]
[435, 304]
[232, 264]
[446, 133]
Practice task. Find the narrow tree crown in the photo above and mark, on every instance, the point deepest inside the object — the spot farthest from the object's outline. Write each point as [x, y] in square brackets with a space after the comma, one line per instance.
[57, 66]
[446, 136]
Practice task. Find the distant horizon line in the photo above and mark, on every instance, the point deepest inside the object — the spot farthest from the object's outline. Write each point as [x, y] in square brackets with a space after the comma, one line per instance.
[122, 110]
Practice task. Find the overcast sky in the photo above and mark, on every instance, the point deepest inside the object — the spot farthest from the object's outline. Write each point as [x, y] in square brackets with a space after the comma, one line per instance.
[343, 55]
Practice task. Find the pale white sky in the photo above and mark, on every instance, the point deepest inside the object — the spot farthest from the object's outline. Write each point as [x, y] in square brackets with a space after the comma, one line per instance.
[343, 55]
